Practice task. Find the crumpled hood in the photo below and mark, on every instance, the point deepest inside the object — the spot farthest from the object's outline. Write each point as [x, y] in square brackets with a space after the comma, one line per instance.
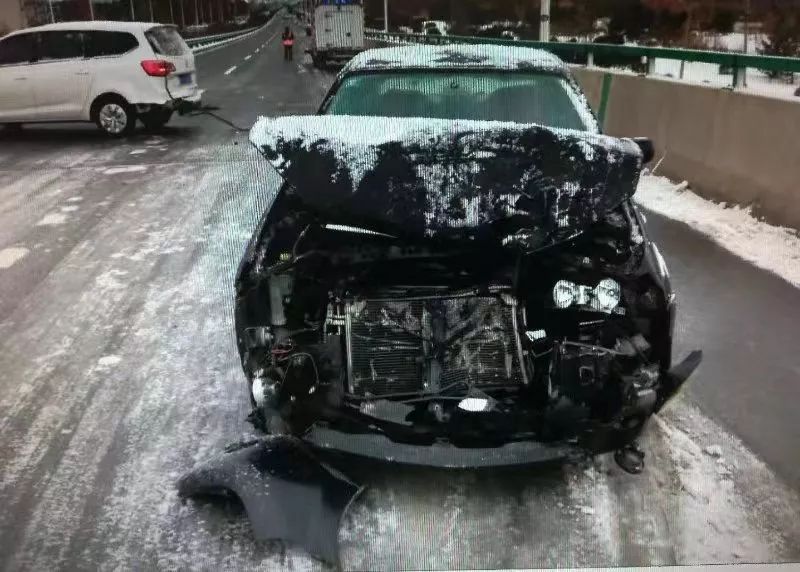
[526, 184]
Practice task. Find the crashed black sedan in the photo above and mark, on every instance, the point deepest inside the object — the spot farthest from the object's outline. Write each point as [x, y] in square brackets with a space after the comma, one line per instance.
[453, 273]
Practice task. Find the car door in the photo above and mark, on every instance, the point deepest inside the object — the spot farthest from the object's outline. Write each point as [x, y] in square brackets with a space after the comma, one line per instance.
[16, 91]
[60, 77]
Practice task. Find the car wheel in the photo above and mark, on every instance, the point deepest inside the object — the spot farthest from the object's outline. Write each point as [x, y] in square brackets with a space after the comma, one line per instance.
[155, 118]
[114, 116]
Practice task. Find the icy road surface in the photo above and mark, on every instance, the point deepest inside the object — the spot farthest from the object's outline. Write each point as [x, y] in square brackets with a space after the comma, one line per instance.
[118, 372]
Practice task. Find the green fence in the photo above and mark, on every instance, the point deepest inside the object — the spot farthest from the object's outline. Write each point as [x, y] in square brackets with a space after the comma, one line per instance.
[729, 67]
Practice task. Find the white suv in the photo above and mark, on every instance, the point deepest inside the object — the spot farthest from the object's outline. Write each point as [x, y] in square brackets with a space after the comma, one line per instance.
[112, 73]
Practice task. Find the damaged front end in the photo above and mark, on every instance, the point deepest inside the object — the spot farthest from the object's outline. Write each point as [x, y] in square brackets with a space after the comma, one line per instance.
[479, 286]
[453, 294]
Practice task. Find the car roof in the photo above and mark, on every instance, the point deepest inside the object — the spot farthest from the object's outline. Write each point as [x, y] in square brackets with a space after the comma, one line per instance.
[100, 25]
[456, 56]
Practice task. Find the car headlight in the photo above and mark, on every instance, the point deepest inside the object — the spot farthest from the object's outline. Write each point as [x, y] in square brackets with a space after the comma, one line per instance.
[564, 293]
[607, 294]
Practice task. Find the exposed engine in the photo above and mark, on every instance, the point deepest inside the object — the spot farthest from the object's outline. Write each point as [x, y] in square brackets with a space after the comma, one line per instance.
[357, 327]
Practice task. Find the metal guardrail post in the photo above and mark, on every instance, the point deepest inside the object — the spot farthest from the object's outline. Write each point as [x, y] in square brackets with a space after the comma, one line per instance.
[590, 59]
[651, 65]
[739, 77]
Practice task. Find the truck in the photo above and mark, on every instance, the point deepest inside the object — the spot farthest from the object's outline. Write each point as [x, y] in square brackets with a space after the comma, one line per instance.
[337, 30]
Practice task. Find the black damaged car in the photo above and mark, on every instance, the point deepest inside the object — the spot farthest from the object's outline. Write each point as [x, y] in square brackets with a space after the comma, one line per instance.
[453, 274]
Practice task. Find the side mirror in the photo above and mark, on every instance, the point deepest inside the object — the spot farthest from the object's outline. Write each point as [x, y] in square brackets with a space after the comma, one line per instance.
[647, 147]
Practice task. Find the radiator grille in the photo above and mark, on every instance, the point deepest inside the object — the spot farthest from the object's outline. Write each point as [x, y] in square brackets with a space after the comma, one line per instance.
[423, 345]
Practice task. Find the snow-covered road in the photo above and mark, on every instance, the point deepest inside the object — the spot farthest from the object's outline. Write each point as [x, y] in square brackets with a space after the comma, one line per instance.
[118, 372]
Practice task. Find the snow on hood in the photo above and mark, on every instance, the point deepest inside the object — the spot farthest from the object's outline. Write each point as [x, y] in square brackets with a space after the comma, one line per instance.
[430, 177]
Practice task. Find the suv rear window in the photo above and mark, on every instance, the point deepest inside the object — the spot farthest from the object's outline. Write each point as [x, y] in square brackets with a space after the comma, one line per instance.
[109, 43]
[17, 50]
[165, 41]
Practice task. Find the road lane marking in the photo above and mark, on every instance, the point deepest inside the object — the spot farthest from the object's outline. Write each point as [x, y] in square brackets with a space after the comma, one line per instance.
[248, 57]
[230, 70]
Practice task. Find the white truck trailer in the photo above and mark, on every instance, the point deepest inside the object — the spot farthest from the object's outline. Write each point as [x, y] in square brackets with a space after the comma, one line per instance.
[337, 30]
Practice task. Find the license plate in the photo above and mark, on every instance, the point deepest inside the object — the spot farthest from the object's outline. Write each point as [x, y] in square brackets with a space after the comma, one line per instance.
[185, 78]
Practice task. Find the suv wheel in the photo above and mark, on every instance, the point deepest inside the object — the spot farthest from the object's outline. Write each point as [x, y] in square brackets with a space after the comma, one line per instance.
[156, 118]
[114, 116]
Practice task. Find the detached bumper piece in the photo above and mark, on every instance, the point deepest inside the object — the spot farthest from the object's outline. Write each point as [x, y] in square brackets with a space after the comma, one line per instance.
[287, 492]
[677, 376]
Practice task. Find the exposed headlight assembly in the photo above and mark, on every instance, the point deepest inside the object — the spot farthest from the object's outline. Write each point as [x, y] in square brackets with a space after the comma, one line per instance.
[607, 294]
[604, 297]
[564, 293]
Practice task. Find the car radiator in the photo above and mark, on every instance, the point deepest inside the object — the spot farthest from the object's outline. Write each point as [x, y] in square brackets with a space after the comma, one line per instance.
[425, 345]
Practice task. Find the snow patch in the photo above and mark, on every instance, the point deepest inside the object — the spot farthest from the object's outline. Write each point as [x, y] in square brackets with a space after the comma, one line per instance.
[722, 515]
[12, 255]
[772, 248]
[138, 151]
[52, 219]
[125, 169]
[109, 280]
[69, 209]
[109, 361]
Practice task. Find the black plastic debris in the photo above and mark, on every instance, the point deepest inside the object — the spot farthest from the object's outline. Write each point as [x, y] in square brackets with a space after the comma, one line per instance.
[287, 492]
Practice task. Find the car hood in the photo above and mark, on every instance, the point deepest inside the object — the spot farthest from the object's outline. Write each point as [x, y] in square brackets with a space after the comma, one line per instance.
[523, 184]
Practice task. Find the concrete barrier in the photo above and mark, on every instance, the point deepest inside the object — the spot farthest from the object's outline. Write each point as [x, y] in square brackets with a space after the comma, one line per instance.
[730, 146]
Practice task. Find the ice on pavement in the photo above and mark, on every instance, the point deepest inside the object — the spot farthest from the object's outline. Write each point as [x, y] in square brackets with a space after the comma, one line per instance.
[109, 360]
[12, 255]
[52, 219]
[772, 248]
[125, 169]
[684, 509]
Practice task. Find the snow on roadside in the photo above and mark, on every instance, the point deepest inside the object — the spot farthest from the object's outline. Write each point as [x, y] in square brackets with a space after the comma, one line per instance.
[731, 507]
[772, 248]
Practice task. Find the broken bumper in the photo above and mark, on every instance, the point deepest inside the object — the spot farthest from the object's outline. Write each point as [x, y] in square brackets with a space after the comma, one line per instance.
[288, 493]
[188, 104]
[379, 447]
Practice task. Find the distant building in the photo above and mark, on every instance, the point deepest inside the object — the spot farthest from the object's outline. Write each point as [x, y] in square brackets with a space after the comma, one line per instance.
[12, 16]
[16, 14]
[36, 12]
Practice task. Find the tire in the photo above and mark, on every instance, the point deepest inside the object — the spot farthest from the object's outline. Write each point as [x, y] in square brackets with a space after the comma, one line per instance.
[114, 116]
[156, 118]
[12, 127]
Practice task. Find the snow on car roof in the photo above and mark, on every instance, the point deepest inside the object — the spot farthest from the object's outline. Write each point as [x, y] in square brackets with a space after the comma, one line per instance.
[456, 56]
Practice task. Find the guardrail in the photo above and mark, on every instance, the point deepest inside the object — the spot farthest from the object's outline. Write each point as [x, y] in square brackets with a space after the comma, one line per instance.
[203, 40]
[640, 58]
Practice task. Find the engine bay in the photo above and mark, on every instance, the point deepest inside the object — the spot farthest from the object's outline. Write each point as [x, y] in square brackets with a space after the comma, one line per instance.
[464, 341]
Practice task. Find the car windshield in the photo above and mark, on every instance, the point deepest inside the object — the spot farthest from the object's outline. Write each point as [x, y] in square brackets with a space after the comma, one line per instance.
[541, 98]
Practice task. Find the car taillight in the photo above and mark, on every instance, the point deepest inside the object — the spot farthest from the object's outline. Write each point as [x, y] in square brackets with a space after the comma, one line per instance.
[157, 68]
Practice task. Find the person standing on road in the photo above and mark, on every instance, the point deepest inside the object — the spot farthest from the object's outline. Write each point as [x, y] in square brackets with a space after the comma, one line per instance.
[288, 43]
